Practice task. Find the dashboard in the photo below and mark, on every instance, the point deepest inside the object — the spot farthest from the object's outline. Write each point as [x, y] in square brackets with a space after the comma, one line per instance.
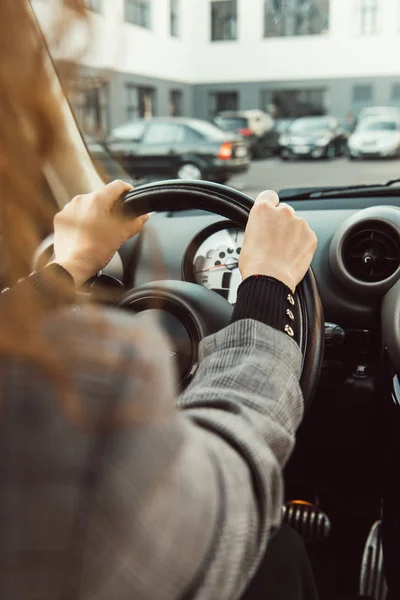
[204, 248]
[356, 262]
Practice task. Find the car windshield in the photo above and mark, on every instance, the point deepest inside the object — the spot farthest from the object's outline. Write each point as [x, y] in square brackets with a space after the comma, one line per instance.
[311, 66]
[378, 126]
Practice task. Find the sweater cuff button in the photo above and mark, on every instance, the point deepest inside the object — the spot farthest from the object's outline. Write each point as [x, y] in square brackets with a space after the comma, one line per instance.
[289, 331]
[290, 299]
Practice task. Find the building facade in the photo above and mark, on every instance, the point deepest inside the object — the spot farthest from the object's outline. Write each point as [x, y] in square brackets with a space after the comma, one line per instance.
[198, 57]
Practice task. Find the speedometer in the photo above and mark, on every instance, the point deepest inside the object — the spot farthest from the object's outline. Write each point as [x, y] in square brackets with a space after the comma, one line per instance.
[216, 262]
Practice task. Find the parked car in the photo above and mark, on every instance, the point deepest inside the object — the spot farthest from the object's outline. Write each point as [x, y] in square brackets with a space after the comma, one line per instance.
[378, 137]
[256, 126]
[390, 112]
[178, 148]
[313, 137]
[282, 125]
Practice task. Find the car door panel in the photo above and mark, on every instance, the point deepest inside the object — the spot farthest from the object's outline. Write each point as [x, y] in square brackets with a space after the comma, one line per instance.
[160, 149]
[196, 149]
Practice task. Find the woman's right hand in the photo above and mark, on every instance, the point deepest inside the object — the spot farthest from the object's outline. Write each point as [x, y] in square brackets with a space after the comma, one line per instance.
[89, 231]
[277, 243]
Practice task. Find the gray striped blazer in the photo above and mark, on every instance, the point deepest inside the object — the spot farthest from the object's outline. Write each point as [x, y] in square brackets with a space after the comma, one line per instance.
[178, 499]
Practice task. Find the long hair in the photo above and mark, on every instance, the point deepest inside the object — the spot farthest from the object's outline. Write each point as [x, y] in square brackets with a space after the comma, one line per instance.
[31, 119]
[35, 137]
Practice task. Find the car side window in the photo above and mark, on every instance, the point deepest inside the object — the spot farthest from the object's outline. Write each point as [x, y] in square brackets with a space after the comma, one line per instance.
[192, 136]
[163, 133]
[131, 131]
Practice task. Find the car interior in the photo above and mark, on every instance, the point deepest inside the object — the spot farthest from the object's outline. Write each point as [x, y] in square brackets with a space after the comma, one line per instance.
[341, 488]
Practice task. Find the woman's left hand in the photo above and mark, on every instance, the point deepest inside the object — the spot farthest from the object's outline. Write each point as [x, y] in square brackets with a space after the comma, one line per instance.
[87, 232]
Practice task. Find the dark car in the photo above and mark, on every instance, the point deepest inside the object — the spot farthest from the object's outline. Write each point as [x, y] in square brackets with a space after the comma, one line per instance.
[257, 128]
[281, 126]
[313, 137]
[178, 148]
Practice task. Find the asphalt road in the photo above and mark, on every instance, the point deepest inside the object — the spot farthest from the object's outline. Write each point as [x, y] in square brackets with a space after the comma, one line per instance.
[275, 174]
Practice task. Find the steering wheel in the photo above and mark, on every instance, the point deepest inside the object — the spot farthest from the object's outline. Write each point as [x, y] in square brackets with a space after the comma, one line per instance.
[391, 324]
[190, 312]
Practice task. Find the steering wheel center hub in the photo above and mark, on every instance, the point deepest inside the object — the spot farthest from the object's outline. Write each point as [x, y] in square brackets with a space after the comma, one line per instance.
[186, 312]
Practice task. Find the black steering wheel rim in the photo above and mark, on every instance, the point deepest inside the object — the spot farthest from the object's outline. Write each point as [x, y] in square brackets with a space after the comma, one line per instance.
[391, 324]
[219, 199]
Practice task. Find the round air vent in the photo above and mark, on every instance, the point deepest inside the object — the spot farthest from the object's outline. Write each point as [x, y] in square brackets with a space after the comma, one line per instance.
[371, 252]
[365, 251]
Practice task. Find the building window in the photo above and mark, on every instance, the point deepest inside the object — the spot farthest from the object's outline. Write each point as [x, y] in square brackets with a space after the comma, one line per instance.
[175, 103]
[90, 102]
[94, 5]
[396, 92]
[296, 17]
[174, 17]
[138, 12]
[132, 109]
[222, 101]
[292, 104]
[362, 94]
[223, 20]
[368, 17]
[140, 102]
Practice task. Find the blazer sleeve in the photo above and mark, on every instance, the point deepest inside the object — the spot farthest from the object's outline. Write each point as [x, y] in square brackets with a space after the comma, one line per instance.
[190, 491]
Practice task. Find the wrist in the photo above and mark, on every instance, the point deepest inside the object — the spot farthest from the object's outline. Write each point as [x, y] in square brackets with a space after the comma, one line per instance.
[284, 278]
[77, 271]
[268, 300]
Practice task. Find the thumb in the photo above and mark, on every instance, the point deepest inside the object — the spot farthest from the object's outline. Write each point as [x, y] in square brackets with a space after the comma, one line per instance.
[268, 197]
[134, 226]
[112, 193]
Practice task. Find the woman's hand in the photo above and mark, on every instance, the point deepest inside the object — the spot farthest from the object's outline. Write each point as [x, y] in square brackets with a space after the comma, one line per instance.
[87, 233]
[276, 242]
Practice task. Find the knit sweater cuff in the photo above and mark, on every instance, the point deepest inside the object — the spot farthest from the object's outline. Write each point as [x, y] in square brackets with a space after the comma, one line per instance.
[267, 300]
[53, 285]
